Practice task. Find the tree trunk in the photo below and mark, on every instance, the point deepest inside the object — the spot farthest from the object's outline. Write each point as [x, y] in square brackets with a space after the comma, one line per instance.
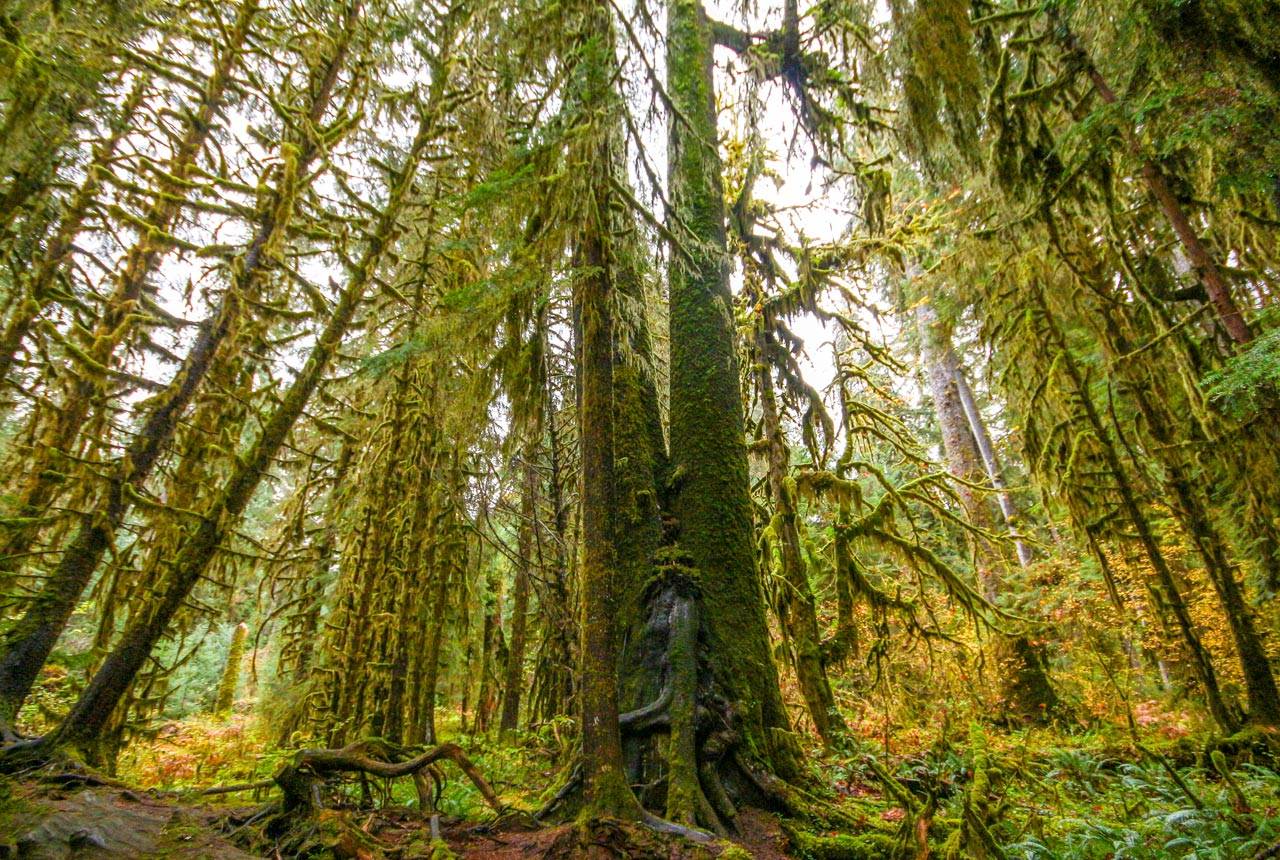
[799, 615]
[520, 595]
[231, 670]
[86, 384]
[995, 474]
[1021, 666]
[607, 791]
[29, 643]
[1215, 285]
[485, 699]
[958, 445]
[430, 670]
[83, 725]
[711, 503]
[1201, 661]
[37, 286]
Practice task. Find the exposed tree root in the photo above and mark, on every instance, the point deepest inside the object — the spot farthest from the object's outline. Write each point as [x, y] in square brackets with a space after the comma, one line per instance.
[685, 750]
[43, 760]
[297, 823]
[611, 838]
[232, 789]
[301, 780]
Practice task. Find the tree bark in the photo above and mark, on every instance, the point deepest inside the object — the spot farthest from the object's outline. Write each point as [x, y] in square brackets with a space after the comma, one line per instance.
[231, 671]
[1024, 680]
[992, 463]
[607, 791]
[958, 443]
[86, 385]
[29, 643]
[520, 595]
[1201, 661]
[711, 503]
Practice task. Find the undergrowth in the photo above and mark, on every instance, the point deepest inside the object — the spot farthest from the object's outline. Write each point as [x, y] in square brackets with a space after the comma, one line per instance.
[1049, 793]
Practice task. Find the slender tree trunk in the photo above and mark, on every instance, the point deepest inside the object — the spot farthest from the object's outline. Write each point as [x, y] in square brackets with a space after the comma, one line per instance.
[231, 670]
[958, 443]
[520, 594]
[601, 567]
[87, 385]
[1210, 275]
[844, 643]
[435, 638]
[484, 697]
[799, 615]
[554, 675]
[607, 791]
[83, 725]
[994, 473]
[38, 294]
[29, 643]
[1201, 661]
[1021, 665]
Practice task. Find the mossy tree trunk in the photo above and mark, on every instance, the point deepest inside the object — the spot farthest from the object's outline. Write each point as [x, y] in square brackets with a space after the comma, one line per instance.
[29, 643]
[486, 701]
[513, 687]
[231, 670]
[607, 792]
[710, 503]
[86, 378]
[991, 463]
[84, 724]
[38, 283]
[1205, 266]
[1166, 584]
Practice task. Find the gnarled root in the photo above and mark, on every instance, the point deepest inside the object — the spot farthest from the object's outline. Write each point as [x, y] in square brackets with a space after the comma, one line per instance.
[301, 780]
[610, 838]
[684, 743]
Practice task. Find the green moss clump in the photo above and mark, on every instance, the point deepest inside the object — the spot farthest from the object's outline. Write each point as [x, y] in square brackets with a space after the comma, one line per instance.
[863, 846]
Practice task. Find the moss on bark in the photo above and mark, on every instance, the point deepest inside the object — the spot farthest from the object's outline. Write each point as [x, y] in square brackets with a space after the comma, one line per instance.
[708, 448]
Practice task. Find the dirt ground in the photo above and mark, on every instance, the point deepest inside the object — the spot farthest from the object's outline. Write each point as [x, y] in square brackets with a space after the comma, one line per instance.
[39, 821]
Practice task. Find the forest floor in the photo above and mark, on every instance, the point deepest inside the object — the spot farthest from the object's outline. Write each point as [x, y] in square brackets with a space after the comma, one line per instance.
[69, 819]
[1047, 794]
[49, 822]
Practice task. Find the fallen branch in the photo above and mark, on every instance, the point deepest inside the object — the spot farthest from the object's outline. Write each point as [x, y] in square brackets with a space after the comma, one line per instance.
[231, 789]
